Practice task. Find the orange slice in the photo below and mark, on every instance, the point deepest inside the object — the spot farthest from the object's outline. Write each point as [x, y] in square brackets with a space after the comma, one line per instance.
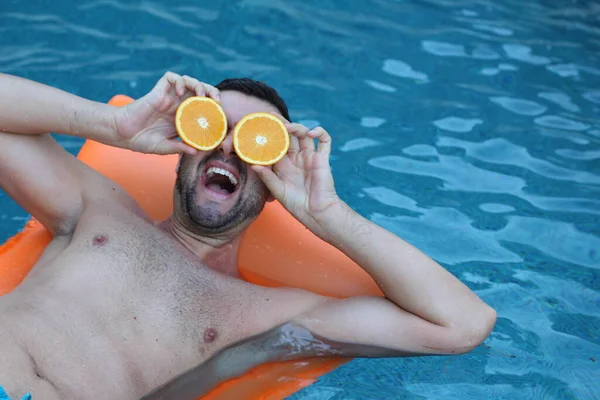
[261, 138]
[201, 123]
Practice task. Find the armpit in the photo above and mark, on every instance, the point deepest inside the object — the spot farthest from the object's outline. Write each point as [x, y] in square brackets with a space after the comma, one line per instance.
[295, 341]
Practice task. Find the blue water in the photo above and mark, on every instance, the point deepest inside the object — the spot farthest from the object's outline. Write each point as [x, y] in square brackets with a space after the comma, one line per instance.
[469, 128]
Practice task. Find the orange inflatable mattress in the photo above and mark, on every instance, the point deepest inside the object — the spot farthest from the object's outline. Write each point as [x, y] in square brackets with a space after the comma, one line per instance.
[276, 250]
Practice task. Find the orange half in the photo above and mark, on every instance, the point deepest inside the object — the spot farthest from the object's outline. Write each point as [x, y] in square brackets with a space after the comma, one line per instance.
[261, 138]
[201, 123]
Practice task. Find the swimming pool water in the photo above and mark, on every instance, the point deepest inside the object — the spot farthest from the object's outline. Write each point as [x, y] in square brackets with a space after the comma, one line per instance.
[469, 128]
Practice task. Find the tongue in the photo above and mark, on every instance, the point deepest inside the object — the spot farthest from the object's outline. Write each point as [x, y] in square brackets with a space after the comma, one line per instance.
[217, 188]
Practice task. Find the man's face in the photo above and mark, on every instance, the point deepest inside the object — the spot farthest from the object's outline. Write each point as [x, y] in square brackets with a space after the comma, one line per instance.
[216, 192]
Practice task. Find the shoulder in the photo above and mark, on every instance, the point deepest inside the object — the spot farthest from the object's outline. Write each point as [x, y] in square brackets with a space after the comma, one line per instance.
[95, 195]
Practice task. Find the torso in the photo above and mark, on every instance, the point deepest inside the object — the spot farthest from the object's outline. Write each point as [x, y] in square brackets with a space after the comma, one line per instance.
[120, 304]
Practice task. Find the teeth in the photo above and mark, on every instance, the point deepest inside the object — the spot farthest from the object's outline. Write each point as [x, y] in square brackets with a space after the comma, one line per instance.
[220, 171]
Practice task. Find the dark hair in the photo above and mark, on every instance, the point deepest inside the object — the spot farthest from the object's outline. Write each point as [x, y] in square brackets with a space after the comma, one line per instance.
[256, 89]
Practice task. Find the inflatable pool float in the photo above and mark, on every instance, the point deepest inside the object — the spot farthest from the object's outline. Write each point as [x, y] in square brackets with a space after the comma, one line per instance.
[276, 250]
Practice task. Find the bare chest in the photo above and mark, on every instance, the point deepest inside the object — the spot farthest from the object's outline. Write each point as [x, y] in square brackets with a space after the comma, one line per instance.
[124, 303]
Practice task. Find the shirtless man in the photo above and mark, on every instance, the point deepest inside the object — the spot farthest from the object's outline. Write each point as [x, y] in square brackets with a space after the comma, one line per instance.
[119, 305]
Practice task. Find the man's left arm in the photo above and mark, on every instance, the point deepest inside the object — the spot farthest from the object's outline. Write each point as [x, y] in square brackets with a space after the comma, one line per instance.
[426, 310]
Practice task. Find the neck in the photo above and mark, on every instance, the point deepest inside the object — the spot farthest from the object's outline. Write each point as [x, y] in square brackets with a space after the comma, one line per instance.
[217, 253]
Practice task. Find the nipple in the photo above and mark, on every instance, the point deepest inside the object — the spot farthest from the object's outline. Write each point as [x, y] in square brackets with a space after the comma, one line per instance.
[210, 335]
[100, 240]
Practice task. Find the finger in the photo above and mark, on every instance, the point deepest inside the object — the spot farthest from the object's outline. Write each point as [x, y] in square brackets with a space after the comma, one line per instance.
[194, 86]
[270, 179]
[294, 144]
[281, 117]
[213, 92]
[173, 146]
[176, 81]
[163, 85]
[202, 89]
[324, 139]
[301, 132]
[186, 149]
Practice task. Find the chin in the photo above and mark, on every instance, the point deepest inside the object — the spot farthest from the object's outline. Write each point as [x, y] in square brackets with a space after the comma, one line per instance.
[211, 218]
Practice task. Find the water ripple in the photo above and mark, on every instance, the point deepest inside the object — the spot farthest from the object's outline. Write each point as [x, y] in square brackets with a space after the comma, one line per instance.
[471, 391]
[403, 70]
[371, 122]
[519, 106]
[131, 75]
[564, 70]
[203, 14]
[489, 71]
[12, 53]
[503, 152]
[153, 9]
[494, 29]
[462, 242]
[593, 96]
[579, 155]
[392, 198]
[359, 144]
[41, 59]
[571, 136]
[563, 204]
[496, 208]
[303, 12]
[561, 99]
[571, 70]
[455, 172]
[572, 296]
[558, 355]
[420, 150]
[60, 24]
[524, 53]
[381, 86]
[557, 239]
[484, 52]
[557, 122]
[443, 49]
[458, 175]
[457, 124]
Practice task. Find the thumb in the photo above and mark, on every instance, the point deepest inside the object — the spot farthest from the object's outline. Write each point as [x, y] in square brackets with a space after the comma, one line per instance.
[271, 180]
[173, 146]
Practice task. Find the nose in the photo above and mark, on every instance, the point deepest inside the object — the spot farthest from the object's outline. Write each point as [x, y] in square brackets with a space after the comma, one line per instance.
[226, 145]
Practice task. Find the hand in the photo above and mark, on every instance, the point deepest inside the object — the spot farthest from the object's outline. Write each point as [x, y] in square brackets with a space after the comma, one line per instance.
[302, 181]
[148, 124]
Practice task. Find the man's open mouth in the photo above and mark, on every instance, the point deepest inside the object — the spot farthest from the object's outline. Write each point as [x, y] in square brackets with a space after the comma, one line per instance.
[220, 181]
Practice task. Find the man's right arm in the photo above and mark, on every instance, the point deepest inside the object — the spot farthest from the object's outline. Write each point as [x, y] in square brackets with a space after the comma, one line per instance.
[28, 107]
[34, 170]
[50, 183]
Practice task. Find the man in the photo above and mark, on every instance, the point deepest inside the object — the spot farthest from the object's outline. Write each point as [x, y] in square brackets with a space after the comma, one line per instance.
[119, 304]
